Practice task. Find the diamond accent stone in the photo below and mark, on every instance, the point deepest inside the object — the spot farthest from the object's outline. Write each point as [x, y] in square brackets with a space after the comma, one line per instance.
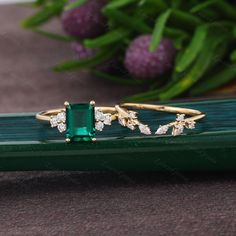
[99, 116]
[53, 121]
[162, 129]
[144, 129]
[180, 117]
[61, 117]
[61, 127]
[107, 119]
[133, 114]
[99, 125]
[130, 126]
[177, 130]
[190, 125]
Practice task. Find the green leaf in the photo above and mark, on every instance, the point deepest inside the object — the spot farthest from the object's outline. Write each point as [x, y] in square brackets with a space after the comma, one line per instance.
[158, 4]
[47, 12]
[175, 32]
[118, 3]
[115, 79]
[184, 19]
[132, 22]
[100, 57]
[226, 9]
[56, 36]
[113, 36]
[158, 30]
[40, 2]
[74, 4]
[233, 56]
[193, 49]
[226, 74]
[234, 32]
[176, 3]
[202, 6]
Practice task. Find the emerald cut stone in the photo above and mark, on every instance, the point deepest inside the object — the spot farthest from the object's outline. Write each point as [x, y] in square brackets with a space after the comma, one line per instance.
[80, 122]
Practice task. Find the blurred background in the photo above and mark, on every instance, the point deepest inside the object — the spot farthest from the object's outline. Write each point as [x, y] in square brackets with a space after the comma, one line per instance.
[27, 81]
[51, 51]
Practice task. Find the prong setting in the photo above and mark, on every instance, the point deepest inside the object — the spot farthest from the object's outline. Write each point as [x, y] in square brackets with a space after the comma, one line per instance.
[67, 140]
[66, 104]
[92, 102]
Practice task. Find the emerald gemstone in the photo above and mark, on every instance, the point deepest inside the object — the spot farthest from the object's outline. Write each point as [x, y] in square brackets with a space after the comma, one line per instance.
[80, 122]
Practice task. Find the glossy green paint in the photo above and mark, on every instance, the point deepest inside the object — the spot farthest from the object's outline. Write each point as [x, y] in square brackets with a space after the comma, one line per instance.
[80, 122]
[26, 144]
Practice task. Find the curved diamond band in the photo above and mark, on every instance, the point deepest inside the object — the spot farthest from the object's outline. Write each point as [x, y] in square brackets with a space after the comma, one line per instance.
[81, 121]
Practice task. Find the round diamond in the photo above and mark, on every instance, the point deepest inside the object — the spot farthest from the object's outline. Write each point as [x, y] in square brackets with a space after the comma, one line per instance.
[99, 116]
[191, 125]
[61, 127]
[53, 121]
[61, 117]
[180, 117]
[99, 126]
[107, 119]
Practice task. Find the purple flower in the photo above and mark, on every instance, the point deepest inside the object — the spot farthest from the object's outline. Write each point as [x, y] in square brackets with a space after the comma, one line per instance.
[143, 64]
[86, 21]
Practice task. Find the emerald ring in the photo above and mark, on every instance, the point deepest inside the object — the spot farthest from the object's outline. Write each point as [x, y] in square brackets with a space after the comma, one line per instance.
[81, 121]
[78, 121]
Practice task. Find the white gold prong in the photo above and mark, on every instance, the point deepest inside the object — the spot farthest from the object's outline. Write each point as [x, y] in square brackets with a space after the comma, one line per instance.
[68, 140]
[92, 103]
[94, 139]
[66, 104]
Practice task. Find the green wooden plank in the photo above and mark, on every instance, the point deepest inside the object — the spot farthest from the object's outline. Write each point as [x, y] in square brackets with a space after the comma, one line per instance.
[26, 144]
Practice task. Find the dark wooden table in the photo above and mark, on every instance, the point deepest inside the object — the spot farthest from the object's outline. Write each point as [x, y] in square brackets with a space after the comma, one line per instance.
[93, 203]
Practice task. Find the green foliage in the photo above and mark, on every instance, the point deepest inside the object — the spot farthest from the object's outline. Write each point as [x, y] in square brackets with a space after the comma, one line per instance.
[159, 29]
[113, 36]
[65, 38]
[203, 32]
[220, 77]
[48, 10]
[100, 57]
[74, 4]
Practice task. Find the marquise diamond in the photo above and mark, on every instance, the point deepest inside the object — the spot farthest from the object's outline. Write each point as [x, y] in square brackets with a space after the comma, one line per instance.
[162, 129]
[144, 129]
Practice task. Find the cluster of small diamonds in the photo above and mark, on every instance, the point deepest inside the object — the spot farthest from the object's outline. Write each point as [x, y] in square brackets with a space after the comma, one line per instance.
[102, 119]
[59, 121]
[177, 126]
[131, 121]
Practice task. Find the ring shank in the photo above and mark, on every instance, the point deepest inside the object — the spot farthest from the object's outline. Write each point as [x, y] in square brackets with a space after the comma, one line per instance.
[162, 108]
